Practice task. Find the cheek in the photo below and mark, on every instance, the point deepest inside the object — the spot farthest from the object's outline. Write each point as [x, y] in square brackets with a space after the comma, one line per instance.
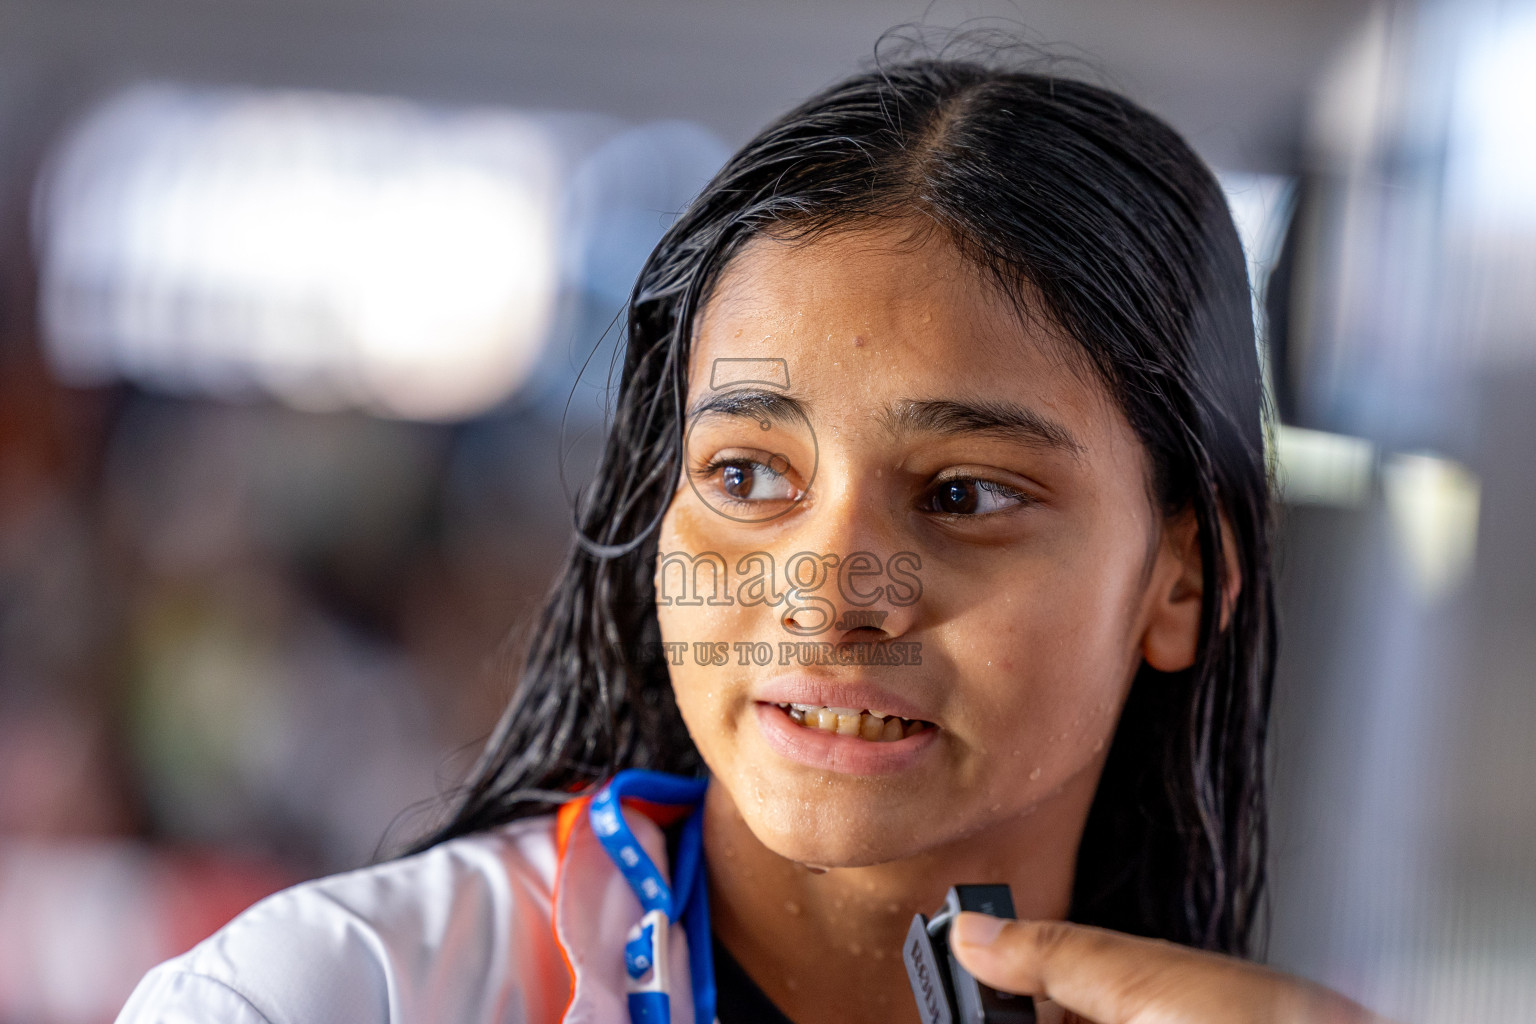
[1049, 663]
[697, 635]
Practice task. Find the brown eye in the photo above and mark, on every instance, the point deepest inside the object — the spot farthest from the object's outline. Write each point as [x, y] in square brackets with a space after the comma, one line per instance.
[747, 480]
[737, 480]
[968, 496]
[958, 497]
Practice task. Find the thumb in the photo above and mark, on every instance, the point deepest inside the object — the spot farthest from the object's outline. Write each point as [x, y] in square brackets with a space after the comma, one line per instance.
[1116, 978]
[1082, 968]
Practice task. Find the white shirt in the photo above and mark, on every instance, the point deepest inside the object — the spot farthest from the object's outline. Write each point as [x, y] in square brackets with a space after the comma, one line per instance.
[468, 932]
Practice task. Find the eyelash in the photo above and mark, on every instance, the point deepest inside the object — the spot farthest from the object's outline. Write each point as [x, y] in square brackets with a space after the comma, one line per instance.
[1023, 500]
[992, 486]
[716, 465]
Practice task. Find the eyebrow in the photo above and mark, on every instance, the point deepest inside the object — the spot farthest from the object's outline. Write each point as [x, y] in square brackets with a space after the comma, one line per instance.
[941, 417]
[950, 418]
[755, 403]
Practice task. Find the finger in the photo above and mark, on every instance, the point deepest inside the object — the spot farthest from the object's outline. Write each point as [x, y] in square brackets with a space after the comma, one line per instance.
[1116, 978]
[1099, 974]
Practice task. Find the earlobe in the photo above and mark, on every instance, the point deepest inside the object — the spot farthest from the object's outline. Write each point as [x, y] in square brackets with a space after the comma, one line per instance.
[1172, 636]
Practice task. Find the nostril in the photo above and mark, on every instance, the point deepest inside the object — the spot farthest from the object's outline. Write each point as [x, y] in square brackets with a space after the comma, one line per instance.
[854, 620]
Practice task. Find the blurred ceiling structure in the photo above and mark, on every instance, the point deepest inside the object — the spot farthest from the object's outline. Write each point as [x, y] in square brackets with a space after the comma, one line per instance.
[1236, 78]
[727, 66]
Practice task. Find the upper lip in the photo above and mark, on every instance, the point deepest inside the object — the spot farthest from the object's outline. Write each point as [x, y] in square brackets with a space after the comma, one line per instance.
[840, 693]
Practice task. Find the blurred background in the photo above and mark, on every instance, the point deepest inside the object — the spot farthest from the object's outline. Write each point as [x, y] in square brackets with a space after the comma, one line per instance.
[304, 345]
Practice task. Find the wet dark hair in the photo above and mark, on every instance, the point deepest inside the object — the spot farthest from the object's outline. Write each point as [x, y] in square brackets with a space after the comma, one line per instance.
[1101, 215]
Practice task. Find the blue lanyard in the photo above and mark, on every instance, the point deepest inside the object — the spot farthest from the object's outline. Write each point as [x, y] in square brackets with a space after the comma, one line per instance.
[645, 951]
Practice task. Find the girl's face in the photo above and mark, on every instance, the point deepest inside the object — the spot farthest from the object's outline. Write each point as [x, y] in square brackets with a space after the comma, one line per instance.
[901, 501]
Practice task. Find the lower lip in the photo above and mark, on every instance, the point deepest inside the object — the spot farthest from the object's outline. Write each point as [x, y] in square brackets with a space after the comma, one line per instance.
[829, 751]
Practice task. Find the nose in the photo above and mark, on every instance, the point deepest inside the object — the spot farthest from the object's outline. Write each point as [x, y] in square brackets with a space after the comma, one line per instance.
[850, 578]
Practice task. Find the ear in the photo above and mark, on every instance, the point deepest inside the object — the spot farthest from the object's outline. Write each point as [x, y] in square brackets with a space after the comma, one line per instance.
[1172, 634]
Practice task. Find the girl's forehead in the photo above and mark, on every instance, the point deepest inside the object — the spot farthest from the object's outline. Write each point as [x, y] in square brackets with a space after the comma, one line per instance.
[860, 314]
[872, 276]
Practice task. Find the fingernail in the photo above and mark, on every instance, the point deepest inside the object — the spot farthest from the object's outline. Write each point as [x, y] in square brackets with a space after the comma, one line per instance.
[973, 929]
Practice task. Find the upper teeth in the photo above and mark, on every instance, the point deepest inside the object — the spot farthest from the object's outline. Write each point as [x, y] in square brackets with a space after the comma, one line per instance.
[852, 722]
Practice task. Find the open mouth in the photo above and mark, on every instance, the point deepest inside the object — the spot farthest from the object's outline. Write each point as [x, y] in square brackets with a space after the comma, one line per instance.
[865, 725]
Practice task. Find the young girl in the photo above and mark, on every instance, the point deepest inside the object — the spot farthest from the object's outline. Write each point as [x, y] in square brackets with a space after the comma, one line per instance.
[930, 546]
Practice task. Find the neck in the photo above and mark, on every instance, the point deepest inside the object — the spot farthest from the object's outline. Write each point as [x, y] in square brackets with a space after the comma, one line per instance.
[826, 946]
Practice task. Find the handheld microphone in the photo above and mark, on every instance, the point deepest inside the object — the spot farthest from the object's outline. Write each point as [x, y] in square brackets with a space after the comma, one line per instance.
[945, 992]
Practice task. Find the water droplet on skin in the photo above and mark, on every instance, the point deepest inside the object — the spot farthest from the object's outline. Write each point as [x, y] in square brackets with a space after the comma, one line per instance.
[1035, 774]
[792, 908]
[858, 341]
[893, 907]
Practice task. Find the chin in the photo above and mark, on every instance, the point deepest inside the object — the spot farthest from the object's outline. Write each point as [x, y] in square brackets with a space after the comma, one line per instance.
[835, 851]
[848, 832]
